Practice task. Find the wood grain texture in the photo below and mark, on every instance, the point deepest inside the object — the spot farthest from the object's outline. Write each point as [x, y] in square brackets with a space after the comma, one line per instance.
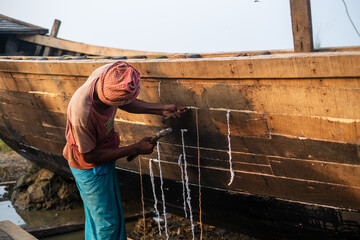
[15, 232]
[294, 119]
[277, 145]
[344, 174]
[263, 184]
[301, 25]
[296, 66]
[54, 32]
[54, 42]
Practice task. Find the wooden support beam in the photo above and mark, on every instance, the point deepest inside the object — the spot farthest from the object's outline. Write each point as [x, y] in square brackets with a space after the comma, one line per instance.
[53, 33]
[79, 47]
[302, 25]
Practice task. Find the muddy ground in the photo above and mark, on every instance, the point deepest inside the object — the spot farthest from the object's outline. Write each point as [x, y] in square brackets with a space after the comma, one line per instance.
[13, 167]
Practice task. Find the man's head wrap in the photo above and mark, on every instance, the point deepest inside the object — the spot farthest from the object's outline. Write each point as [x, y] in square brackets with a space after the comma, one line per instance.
[119, 84]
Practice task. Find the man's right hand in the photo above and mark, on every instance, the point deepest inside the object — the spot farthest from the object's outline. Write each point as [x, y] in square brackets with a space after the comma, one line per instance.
[144, 146]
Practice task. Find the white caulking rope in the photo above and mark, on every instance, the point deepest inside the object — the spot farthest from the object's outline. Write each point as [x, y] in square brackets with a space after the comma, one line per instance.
[162, 190]
[229, 152]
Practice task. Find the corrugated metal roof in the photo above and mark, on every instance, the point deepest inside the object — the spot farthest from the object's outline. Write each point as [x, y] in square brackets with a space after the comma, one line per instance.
[13, 26]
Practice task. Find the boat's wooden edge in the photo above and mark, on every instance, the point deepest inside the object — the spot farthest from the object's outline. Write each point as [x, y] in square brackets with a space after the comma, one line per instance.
[92, 50]
[283, 66]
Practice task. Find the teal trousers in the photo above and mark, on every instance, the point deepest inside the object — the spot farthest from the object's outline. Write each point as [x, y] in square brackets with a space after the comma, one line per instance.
[100, 192]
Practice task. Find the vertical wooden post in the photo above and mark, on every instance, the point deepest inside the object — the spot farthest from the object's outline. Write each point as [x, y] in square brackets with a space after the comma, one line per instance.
[302, 25]
[54, 33]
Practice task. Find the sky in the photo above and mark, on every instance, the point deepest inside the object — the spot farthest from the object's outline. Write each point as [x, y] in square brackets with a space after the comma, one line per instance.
[196, 26]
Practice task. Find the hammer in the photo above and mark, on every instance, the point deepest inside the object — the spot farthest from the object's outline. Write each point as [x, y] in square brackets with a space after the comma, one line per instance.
[158, 135]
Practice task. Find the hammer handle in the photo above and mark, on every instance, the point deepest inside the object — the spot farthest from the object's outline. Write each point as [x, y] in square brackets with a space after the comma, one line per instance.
[152, 141]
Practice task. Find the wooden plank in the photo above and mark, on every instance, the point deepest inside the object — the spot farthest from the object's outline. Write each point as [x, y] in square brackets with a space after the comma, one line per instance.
[277, 66]
[238, 162]
[209, 158]
[267, 185]
[283, 66]
[36, 100]
[54, 32]
[45, 118]
[45, 144]
[207, 153]
[343, 174]
[259, 98]
[301, 25]
[79, 47]
[336, 102]
[338, 49]
[327, 128]
[324, 128]
[240, 123]
[37, 129]
[281, 146]
[298, 148]
[56, 84]
[15, 232]
[51, 230]
[208, 139]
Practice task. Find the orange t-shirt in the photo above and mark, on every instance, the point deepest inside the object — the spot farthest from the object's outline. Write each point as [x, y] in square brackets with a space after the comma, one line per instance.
[87, 125]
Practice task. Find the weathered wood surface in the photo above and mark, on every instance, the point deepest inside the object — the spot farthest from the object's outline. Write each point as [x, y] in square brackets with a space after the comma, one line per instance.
[294, 119]
[283, 66]
[15, 232]
[52, 230]
[301, 25]
[54, 32]
[78, 47]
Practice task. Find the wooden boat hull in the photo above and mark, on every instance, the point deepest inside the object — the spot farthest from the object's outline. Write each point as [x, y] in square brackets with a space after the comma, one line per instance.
[294, 123]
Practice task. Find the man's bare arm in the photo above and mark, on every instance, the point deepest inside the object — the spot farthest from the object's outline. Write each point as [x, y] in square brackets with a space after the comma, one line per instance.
[102, 155]
[139, 106]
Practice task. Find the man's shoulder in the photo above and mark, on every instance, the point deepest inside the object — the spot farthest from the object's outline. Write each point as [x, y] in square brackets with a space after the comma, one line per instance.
[80, 107]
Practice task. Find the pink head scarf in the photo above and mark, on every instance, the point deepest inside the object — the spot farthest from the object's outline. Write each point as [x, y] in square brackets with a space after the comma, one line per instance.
[119, 84]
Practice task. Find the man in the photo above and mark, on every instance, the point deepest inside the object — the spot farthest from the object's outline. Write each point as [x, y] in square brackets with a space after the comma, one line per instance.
[93, 146]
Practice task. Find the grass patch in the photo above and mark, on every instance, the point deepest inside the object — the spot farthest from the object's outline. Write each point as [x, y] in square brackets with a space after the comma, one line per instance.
[4, 147]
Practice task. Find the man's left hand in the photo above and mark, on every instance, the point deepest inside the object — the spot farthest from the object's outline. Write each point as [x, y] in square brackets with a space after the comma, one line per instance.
[173, 110]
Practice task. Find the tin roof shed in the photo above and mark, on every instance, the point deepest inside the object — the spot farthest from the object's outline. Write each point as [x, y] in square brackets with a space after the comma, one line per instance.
[13, 26]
